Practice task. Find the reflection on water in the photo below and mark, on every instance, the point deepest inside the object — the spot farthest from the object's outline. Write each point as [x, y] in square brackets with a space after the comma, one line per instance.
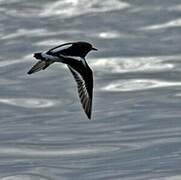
[169, 178]
[7, 63]
[136, 129]
[109, 35]
[137, 64]
[175, 8]
[51, 42]
[173, 23]
[26, 32]
[29, 103]
[25, 177]
[70, 8]
[22, 152]
[138, 84]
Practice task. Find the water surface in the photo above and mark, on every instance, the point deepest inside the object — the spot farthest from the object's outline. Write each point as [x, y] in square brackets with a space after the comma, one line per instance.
[136, 128]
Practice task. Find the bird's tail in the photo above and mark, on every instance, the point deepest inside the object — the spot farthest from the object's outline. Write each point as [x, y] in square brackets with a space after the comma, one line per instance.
[40, 65]
[37, 67]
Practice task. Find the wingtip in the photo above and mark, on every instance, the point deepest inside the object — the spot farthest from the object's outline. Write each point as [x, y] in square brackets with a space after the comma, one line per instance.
[29, 72]
[89, 116]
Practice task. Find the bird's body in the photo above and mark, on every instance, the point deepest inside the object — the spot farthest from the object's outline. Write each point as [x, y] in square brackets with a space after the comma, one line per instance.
[72, 54]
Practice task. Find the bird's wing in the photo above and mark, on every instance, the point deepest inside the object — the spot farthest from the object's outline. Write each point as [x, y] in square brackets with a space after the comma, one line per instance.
[60, 48]
[85, 88]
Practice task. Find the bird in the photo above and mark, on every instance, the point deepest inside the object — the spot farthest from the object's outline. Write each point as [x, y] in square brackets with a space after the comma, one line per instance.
[73, 55]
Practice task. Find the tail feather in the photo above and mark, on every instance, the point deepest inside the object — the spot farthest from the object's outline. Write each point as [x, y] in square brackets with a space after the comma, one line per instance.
[37, 67]
[40, 65]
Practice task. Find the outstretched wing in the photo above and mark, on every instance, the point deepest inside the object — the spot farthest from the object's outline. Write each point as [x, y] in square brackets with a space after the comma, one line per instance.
[85, 88]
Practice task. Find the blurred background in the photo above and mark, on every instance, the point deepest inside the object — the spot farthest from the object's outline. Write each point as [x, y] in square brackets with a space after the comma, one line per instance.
[135, 133]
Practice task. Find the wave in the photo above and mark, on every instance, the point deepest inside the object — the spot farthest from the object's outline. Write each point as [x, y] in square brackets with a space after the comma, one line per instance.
[26, 176]
[138, 84]
[132, 64]
[69, 8]
[29, 102]
[169, 24]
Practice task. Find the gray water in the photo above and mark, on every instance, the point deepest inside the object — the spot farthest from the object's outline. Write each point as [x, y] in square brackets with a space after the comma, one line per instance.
[135, 133]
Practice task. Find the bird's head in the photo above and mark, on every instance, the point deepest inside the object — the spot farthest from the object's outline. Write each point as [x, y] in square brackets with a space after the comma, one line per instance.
[83, 48]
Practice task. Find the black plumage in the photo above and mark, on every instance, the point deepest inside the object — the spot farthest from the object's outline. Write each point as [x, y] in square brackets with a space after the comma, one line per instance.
[72, 54]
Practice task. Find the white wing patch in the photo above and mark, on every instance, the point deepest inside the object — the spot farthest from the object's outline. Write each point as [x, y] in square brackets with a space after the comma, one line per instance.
[76, 58]
[61, 48]
[86, 101]
[49, 57]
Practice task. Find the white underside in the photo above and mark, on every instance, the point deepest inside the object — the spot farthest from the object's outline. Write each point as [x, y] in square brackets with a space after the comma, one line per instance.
[48, 57]
[76, 58]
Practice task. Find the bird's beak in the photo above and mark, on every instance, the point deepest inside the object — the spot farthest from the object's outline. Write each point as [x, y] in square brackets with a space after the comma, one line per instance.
[94, 49]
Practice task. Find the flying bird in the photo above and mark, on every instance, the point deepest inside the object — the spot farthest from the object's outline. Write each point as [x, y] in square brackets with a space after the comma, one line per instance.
[73, 55]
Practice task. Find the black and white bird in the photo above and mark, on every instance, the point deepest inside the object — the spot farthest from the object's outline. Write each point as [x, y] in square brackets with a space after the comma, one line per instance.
[73, 54]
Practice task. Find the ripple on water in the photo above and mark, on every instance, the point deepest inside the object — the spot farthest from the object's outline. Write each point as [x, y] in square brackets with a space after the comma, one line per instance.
[168, 178]
[69, 8]
[132, 64]
[169, 24]
[29, 102]
[10, 62]
[28, 176]
[50, 42]
[42, 152]
[138, 84]
[28, 33]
